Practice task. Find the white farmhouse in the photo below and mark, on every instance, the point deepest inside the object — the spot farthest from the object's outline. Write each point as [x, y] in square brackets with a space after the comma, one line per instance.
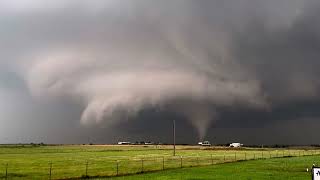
[236, 145]
[124, 143]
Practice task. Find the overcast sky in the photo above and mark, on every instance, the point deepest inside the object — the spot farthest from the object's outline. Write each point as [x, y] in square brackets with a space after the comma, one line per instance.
[103, 71]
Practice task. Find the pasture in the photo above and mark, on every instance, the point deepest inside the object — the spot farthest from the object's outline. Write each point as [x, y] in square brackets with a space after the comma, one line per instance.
[293, 168]
[76, 161]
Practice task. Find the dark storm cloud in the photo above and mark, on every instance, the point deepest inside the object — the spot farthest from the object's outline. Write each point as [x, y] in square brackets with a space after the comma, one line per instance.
[285, 60]
[135, 65]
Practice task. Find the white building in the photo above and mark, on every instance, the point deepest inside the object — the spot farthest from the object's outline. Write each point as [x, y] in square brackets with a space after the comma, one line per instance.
[124, 143]
[236, 145]
[204, 143]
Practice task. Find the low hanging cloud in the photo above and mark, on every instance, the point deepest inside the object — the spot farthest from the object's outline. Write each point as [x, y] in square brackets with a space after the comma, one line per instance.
[113, 91]
[193, 58]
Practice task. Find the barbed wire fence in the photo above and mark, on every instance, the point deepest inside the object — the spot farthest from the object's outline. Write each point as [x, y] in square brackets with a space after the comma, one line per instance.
[118, 167]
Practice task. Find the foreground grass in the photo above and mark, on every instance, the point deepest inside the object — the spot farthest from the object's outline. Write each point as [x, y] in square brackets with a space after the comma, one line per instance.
[29, 162]
[277, 168]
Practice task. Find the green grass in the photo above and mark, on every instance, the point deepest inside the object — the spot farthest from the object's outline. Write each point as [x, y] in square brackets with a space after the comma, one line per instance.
[29, 162]
[278, 168]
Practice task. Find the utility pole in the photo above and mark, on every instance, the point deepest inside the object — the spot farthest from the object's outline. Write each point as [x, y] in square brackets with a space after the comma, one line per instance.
[174, 138]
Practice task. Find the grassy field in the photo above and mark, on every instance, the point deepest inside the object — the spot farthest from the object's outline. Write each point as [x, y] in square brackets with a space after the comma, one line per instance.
[277, 168]
[29, 162]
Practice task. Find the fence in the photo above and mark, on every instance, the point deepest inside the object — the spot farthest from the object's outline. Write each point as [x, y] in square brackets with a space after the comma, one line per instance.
[72, 168]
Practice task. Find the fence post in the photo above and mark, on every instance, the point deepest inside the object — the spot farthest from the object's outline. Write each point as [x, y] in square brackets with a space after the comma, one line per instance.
[141, 165]
[50, 170]
[7, 170]
[269, 155]
[254, 155]
[198, 160]
[211, 160]
[224, 157]
[262, 155]
[162, 163]
[117, 168]
[181, 162]
[283, 153]
[245, 155]
[235, 156]
[87, 163]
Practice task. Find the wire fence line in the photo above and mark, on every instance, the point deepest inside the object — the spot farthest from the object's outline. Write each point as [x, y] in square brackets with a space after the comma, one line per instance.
[71, 169]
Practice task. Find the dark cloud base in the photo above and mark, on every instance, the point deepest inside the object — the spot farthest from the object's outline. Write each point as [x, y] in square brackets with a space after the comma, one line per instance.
[273, 48]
